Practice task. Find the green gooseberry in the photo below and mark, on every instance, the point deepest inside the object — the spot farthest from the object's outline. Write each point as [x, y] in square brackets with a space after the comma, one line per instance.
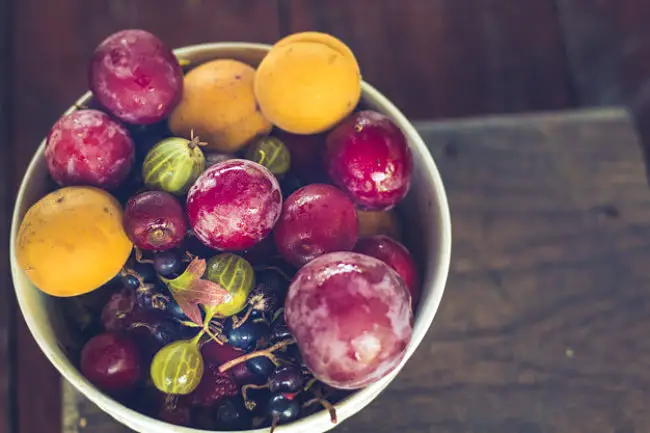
[271, 153]
[173, 165]
[236, 275]
[177, 368]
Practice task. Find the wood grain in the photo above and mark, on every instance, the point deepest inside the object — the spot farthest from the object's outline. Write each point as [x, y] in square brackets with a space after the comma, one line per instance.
[544, 321]
[441, 58]
[8, 305]
[51, 47]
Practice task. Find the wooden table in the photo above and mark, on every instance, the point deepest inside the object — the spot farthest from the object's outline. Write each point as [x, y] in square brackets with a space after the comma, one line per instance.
[434, 58]
[543, 327]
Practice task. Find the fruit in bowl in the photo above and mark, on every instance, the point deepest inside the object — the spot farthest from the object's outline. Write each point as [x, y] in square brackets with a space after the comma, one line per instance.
[233, 262]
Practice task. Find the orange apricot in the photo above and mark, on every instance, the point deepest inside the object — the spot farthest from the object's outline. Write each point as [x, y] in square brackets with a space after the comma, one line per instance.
[72, 241]
[308, 82]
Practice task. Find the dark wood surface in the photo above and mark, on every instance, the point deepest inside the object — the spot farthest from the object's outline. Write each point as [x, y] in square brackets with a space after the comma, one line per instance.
[446, 58]
[435, 59]
[543, 324]
[7, 307]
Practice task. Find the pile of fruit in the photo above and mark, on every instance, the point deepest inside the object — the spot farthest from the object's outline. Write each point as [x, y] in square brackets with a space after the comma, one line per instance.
[222, 237]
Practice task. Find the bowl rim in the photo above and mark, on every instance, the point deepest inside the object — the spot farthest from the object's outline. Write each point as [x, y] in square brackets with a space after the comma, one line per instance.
[315, 422]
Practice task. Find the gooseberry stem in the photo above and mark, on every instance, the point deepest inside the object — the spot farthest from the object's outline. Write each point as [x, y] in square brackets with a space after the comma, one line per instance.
[198, 336]
[266, 352]
[195, 141]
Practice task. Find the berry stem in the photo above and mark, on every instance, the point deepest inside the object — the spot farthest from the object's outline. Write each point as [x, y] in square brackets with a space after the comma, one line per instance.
[236, 322]
[250, 404]
[138, 257]
[266, 352]
[326, 404]
[274, 424]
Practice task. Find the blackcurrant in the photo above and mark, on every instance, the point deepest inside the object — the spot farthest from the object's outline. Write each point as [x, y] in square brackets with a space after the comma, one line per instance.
[283, 409]
[247, 335]
[261, 366]
[287, 378]
[166, 263]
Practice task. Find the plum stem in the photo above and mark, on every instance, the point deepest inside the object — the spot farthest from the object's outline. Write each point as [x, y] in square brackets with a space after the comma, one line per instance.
[266, 352]
[157, 237]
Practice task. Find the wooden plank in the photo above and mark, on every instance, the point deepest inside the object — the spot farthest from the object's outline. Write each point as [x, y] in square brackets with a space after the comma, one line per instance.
[543, 324]
[442, 58]
[8, 306]
[51, 74]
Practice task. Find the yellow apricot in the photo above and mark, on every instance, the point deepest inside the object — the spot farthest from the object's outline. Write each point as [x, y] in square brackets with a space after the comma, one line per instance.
[308, 82]
[219, 105]
[72, 241]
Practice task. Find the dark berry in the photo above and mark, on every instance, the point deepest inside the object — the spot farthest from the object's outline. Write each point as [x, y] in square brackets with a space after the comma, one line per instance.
[279, 330]
[248, 335]
[131, 281]
[213, 387]
[111, 362]
[146, 272]
[166, 263]
[287, 378]
[283, 409]
[154, 330]
[157, 297]
[272, 280]
[231, 414]
[116, 312]
[261, 366]
[176, 412]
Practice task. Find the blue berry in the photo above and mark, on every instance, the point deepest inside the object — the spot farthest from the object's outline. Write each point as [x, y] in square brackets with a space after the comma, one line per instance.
[166, 263]
[261, 366]
[248, 335]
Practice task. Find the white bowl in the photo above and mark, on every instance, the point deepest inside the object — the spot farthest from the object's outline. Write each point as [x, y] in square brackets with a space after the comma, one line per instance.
[429, 232]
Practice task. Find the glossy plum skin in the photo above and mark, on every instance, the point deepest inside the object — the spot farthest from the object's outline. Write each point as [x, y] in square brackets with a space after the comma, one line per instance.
[316, 219]
[87, 147]
[395, 255]
[136, 77]
[111, 362]
[234, 205]
[155, 220]
[368, 157]
[351, 317]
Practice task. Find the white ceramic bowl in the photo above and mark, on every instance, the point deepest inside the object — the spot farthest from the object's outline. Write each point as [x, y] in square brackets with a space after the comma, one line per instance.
[425, 212]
